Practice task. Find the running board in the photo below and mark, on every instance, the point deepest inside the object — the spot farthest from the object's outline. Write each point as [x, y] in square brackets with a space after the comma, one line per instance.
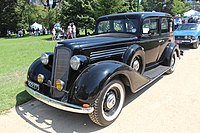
[156, 72]
[153, 74]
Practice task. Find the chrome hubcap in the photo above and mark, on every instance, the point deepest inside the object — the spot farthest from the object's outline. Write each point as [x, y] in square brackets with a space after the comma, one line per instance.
[111, 100]
[136, 65]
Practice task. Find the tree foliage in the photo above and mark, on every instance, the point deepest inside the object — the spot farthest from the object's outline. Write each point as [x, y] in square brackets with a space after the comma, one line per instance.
[170, 6]
[18, 14]
[7, 15]
[105, 7]
[84, 12]
[78, 11]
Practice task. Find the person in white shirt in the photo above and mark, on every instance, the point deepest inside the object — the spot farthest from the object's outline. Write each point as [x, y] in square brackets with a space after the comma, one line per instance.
[73, 30]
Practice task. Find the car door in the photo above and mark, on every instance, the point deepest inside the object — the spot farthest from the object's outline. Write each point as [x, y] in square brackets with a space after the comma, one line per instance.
[166, 35]
[150, 39]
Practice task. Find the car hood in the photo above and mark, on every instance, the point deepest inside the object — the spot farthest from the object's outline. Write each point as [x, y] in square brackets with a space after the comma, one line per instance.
[185, 33]
[96, 40]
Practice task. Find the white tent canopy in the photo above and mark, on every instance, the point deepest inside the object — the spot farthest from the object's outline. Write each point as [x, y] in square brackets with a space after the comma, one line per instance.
[190, 13]
[36, 26]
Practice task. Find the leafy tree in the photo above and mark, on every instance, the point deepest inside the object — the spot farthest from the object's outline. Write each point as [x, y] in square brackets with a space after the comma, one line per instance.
[105, 7]
[170, 6]
[7, 16]
[179, 7]
[79, 11]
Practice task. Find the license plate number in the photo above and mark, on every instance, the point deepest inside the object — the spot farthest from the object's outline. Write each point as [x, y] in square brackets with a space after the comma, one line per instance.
[33, 85]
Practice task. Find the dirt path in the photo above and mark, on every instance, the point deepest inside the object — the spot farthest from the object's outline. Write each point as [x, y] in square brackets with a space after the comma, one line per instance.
[170, 105]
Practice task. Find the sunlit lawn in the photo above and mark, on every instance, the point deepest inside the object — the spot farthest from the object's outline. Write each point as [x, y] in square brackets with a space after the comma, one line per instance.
[16, 55]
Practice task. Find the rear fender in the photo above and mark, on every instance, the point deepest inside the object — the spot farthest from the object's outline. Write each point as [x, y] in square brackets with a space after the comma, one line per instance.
[91, 81]
[167, 54]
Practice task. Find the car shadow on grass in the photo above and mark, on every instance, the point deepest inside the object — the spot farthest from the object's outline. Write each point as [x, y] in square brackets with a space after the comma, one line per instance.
[48, 119]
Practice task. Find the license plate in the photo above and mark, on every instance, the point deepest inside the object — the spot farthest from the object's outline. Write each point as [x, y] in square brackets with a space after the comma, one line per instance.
[34, 85]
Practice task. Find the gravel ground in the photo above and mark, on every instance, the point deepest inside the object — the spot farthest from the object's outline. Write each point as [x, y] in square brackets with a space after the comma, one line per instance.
[169, 105]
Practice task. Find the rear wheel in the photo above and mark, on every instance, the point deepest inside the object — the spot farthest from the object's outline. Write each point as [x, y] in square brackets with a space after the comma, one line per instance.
[109, 103]
[173, 63]
[136, 64]
[196, 45]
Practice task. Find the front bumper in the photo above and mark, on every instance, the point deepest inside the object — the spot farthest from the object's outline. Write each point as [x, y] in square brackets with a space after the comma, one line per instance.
[185, 41]
[58, 104]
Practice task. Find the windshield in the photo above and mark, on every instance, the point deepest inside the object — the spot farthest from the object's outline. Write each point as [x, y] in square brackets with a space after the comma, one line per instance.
[122, 26]
[187, 27]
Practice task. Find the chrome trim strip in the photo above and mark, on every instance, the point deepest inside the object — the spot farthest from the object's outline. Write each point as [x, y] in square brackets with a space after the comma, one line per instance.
[108, 50]
[107, 55]
[58, 104]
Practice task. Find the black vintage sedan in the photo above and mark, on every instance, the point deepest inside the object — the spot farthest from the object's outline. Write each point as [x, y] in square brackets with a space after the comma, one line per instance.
[91, 74]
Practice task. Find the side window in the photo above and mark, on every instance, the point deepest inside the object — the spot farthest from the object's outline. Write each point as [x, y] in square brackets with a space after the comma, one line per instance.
[164, 25]
[118, 25]
[150, 26]
[146, 26]
[130, 26]
[104, 26]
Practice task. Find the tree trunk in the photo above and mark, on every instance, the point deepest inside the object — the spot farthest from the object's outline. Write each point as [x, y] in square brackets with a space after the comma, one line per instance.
[85, 31]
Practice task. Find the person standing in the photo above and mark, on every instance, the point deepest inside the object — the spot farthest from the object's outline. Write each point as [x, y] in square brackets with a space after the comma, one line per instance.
[53, 34]
[9, 33]
[73, 30]
[69, 32]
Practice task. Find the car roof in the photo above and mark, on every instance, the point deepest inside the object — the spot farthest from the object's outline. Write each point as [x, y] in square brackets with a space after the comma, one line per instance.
[134, 15]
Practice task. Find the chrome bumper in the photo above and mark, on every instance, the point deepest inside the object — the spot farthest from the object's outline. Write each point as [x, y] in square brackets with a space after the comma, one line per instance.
[58, 104]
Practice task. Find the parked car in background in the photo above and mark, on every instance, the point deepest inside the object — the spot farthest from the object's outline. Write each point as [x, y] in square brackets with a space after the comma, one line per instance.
[188, 34]
[91, 74]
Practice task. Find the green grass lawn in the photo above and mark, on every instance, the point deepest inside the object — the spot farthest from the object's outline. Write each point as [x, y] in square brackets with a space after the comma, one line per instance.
[16, 55]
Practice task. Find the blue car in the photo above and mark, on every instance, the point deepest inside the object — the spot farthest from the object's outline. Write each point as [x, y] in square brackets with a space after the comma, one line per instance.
[188, 34]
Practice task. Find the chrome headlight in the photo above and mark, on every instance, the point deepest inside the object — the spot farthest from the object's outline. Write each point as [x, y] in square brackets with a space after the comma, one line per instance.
[75, 62]
[44, 58]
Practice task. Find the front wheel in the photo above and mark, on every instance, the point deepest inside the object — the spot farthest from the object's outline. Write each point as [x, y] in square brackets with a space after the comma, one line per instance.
[109, 103]
[173, 63]
[196, 44]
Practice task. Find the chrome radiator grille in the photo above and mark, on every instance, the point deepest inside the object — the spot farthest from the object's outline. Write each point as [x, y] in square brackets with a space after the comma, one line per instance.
[61, 66]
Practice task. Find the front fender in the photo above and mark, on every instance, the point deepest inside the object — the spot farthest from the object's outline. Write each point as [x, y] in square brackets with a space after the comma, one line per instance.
[89, 84]
[38, 68]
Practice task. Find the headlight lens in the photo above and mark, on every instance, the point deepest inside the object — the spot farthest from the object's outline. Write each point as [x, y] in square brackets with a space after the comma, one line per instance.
[40, 78]
[44, 58]
[59, 84]
[75, 62]
[193, 37]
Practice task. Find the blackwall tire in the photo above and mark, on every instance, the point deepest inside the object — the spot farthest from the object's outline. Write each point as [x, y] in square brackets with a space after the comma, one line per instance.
[109, 103]
[196, 45]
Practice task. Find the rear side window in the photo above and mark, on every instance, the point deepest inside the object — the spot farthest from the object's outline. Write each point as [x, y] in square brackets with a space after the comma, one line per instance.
[150, 26]
[164, 25]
